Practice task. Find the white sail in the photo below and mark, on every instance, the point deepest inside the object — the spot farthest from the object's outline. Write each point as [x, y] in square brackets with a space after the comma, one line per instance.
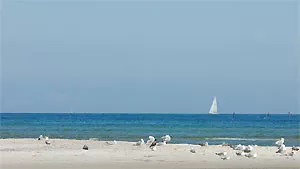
[214, 107]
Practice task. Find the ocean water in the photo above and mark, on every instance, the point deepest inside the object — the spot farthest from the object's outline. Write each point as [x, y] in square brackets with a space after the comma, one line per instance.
[184, 128]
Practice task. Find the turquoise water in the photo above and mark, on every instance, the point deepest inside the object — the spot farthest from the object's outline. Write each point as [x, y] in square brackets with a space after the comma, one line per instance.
[184, 128]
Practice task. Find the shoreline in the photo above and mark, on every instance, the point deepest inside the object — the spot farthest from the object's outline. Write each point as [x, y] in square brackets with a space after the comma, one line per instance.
[68, 153]
[99, 140]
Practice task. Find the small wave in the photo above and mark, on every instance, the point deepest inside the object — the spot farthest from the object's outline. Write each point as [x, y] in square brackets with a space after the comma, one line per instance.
[247, 139]
[94, 139]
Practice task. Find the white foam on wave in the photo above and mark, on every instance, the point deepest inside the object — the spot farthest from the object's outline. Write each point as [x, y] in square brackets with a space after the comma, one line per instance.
[227, 138]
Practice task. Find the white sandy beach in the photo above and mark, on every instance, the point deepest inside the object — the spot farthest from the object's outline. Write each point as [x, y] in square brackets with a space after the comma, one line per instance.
[35, 154]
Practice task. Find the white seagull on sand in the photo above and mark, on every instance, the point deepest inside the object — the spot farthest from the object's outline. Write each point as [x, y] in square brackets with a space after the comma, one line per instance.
[281, 149]
[204, 144]
[112, 143]
[153, 145]
[40, 137]
[291, 154]
[47, 141]
[225, 158]
[193, 150]
[222, 153]
[151, 140]
[279, 142]
[240, 147]
[248, 149]
[166, 138]
[240, 153]
[251, 155]
[141, 142]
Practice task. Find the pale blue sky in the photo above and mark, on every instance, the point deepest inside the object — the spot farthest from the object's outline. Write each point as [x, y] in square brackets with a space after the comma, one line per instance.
[149, 56]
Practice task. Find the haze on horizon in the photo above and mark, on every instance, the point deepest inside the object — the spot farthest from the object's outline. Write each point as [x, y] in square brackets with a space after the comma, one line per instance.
[149, 56]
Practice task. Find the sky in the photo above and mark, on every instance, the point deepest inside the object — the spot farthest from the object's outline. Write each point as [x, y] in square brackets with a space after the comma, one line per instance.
[150, 56]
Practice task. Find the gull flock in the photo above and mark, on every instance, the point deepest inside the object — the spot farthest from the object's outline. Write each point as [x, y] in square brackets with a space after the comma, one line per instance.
[248, 151]
[240, 150]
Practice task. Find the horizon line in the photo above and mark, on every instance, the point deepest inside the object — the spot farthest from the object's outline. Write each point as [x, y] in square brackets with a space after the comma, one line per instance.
[133, 113]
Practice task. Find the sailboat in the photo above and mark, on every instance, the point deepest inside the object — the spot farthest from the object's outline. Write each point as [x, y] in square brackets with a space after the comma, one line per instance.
[214, 107]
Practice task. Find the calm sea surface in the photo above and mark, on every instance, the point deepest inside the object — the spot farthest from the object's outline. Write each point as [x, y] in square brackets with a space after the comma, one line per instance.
[184, 128]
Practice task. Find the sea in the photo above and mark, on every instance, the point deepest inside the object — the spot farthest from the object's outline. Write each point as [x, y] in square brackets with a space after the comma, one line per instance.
[259, 129]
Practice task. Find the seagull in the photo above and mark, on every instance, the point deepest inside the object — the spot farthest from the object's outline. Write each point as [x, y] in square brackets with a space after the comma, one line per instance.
[227, 144]
[240, 153]
[204, 144]
[236, 146]
[250, 155]
[281, 149]
[47, 141]
[40, 137]
[291, 154]
[153, 145]
[151, 140]
[141, 142]
[166, 138]
[222, 153]
[225, 158]
[240, 147]
[248, 149]
[193, 150]
[279, 142]
[112, 143]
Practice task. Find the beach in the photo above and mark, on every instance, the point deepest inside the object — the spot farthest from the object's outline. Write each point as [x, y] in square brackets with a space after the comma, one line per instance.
[68, 153]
